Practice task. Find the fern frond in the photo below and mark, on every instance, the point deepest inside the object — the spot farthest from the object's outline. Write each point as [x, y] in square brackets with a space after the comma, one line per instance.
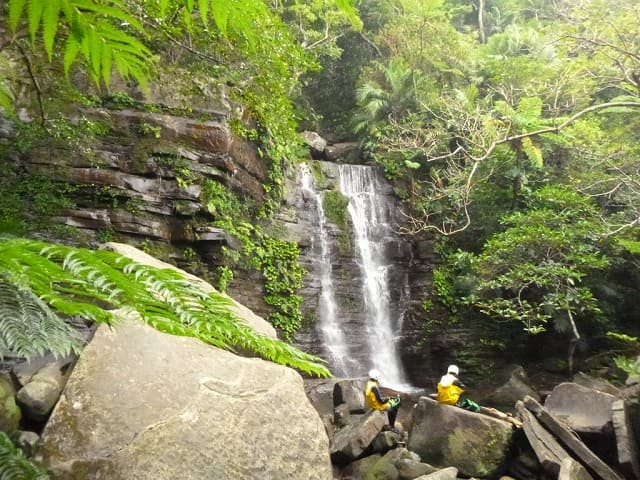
[117, 11]
[220, 10]
[77, 281]
[16, 8]
[29, 327]
[50, 21]
[34, 15]
[163, 6]
[203, 6]
[14, 465]
[91, 32]
[71, 50]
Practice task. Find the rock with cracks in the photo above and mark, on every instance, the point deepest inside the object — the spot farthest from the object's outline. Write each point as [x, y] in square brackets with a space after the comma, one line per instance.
[147, 405]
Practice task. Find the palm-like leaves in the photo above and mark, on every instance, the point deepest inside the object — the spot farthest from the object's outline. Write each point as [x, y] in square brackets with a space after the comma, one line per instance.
[75, 281]
[395, 94]
[90, 31]
[45, 330]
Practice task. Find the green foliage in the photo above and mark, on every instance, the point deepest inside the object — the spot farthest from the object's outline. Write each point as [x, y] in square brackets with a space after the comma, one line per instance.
[335, 209]
[623, 337]
[632, 246]
[283, 275]
[393, 94]
[225, 276]
[29, 327]
[91, 284]
[6, 95]
[531, 271]
[221, 202]
[28, 202]
[277, 260]
[629, 365]
[14, 465]
[92, 33]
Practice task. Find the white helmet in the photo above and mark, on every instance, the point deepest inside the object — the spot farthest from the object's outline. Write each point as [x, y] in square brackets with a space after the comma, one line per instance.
[374, 374]
[453, 369]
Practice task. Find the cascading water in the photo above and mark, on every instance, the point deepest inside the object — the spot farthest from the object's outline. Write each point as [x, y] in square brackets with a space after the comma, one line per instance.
[357, 325]
[333, 340]
[370, 217]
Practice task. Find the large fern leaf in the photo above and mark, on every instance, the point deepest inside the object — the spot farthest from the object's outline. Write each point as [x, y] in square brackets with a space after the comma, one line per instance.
[91, 30]
[29, 327]
[14, 465]
[76, 281]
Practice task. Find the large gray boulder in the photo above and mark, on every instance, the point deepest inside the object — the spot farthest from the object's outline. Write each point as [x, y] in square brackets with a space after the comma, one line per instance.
[444, 435]
[147, 405]
[351, 392]
[585, 410]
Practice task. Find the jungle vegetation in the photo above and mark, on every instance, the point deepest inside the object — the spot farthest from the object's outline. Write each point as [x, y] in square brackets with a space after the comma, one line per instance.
[509, 128]
[472, 109]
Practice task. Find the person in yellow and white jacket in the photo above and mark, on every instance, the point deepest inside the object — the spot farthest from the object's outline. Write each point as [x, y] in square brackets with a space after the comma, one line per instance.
[450, 390]
[377, 400]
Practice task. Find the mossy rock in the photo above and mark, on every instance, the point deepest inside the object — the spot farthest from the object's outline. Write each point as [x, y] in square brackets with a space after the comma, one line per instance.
[10, 413]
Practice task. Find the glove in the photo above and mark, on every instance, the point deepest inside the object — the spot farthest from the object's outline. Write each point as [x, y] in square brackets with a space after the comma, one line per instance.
[394, 402]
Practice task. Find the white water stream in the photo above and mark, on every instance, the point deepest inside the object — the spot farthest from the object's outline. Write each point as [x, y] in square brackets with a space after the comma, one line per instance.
[372, 230]
[333, 340]
[370, 216]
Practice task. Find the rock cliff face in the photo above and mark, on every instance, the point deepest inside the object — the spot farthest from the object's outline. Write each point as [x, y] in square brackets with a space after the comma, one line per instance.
[141, 185]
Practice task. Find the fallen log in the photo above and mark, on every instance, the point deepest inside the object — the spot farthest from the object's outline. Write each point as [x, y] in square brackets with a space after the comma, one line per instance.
[627, 447]
[549, 452]
[572, 470]
[571, 441]
[492, 412]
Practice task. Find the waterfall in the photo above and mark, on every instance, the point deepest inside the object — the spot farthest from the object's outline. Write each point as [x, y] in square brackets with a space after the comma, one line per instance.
[358, 323]
[333, 340]
[370, 216]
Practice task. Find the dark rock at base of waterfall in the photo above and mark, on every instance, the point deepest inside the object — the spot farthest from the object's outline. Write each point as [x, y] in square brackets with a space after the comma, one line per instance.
[351, 392]
[352, 441]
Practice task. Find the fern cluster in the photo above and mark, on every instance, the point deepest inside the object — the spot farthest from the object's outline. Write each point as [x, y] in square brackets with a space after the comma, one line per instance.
[46, 331]
[14, 465]
[92, 284]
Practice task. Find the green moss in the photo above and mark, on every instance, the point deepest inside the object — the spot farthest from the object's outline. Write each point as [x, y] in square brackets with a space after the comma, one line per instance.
[9, 411]
[318, 175]
[484, 458]
[335, 209]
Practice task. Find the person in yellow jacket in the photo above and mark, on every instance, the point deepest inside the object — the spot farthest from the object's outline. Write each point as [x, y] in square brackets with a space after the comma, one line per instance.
[450, 390]
[377, 400]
